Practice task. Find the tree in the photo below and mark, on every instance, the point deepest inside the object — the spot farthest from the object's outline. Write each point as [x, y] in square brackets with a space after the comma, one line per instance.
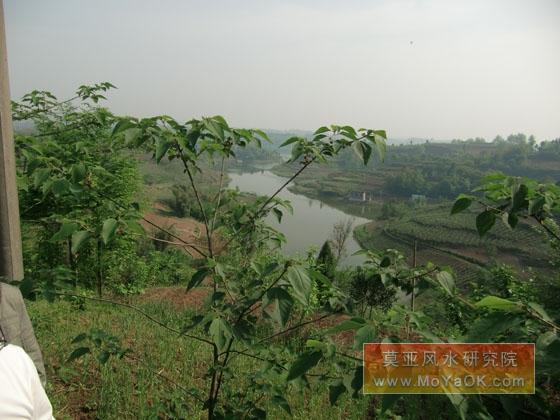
[77, 186]
[250, 280]
[369, 292]
[511, 199]
[341, 231]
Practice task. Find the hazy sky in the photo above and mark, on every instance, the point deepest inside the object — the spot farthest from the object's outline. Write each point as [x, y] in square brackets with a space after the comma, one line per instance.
[474, 67]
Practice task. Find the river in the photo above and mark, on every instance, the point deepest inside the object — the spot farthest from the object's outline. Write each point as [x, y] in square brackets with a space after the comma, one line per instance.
[312, 221]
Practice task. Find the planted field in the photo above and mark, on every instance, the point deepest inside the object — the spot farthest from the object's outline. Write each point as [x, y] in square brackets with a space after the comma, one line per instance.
[436, 226]
[454, 241]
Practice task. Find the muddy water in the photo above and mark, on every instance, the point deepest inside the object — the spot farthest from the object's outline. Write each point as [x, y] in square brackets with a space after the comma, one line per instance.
[312, 221]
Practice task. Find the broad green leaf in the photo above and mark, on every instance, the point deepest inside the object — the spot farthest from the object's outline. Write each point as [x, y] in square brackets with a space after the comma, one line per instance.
[461, 204]
[78, 173]
[354, 381]
[321, 130]
[381, 133]
[486, 328]
[282, 302]
[278, 214]
[103, 357]
[336, 389]
[366, 334]
[108, 230]
[388, 401]
[40, 176]
[290, 141]
[460, 403]
[317, 345]
[512, 404]
[162, 146]
[221, 332]
[134, 226]
[131, 136]
[77, 353]
[79, 337]
[510, 220]
[520, 198]
[381, 148]
[221, 121]
[281, 402]
[540, 310]
[262, 134]
[214, 127]
[121, 125]
[303, 364]
[367, 152]
[545, 339]
[485, 221]
[197, 277]
[499, 304]
[358, 148]
[536, 205]
[65, 231]
[385, 262]
[78, 239]
[446, 281]
[300, 282]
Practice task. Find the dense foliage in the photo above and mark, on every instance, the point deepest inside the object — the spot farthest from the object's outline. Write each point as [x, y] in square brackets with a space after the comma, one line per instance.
[79, 194]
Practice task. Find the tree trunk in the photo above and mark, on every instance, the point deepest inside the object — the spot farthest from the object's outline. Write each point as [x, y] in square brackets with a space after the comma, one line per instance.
[99, 268]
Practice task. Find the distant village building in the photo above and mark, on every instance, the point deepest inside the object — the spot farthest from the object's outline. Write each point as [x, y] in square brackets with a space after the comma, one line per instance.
[361, 196]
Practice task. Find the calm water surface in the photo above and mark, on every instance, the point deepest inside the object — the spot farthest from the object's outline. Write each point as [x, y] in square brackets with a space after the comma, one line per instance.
[312, 221]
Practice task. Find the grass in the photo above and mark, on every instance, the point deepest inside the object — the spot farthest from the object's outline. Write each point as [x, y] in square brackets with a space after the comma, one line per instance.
[133, 387]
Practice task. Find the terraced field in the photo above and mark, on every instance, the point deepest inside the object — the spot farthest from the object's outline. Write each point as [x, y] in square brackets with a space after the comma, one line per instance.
[437, 227]
[454, 241]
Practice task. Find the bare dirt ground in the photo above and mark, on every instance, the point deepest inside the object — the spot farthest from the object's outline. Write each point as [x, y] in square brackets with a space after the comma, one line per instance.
[189, 230]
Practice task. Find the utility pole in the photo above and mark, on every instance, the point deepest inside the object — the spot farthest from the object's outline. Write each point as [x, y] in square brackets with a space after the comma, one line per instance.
[11, 261]
[414, 278]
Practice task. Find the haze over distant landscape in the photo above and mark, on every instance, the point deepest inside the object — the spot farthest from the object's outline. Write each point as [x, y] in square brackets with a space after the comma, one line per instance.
[434, 69]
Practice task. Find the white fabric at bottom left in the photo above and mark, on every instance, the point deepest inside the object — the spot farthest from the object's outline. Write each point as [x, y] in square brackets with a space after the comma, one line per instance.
[21, 394]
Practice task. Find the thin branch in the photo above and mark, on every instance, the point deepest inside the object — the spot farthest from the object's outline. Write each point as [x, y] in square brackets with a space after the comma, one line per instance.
[417, 276]
[548, 229]
[164, 241]
[241, 315]
[178, 244]
[264, 292]
[262, 359]
[539, 220]
[40, 111]
[140, 311]
[294, 176]
[260, 210]
[168, 379]
[64, 130]
[295, 327]
[219, 196]
[199, 201]
[349, 356]
[196, 248]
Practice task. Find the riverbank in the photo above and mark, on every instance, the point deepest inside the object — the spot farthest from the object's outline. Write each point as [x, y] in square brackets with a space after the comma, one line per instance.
[312, 221]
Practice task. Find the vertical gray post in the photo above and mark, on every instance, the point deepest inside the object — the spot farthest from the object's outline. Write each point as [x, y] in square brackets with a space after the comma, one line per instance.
[11, 264]
[414, 279]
